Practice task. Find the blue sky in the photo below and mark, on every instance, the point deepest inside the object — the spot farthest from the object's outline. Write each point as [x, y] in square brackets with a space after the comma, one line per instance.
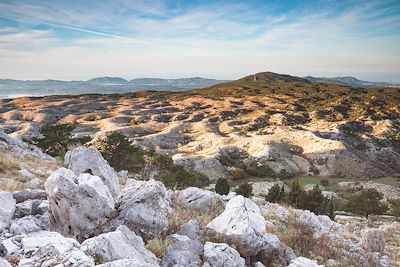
[219, 39]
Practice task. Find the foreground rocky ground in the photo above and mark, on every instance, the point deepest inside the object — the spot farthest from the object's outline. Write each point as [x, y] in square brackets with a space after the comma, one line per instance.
[89, 215]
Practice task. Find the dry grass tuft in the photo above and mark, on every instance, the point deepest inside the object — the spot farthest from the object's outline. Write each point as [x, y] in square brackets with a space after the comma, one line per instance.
[158, 246]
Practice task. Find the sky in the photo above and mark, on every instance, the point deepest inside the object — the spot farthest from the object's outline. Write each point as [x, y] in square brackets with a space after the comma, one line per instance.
[79, 40]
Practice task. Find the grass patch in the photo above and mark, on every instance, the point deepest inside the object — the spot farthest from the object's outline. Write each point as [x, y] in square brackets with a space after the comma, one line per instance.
[387, 181]
[313, 180]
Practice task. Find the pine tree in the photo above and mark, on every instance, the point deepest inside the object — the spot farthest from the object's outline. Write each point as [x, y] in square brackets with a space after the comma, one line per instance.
[331, 209]
[274, 194]
[295, 194]
[367, 202]
[222, 186]
[282, 194]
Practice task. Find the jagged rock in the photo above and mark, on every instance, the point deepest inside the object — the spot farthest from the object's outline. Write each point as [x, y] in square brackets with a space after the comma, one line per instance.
[24, 225]
[33, 184]
[89, 160]
[374, 240]
[303, 262]
[120, 244]
[7, 209]
[275, 251]
[322, 224]
[27, 174]
[44, 245]
[191, 229]
[79, 205]
[194, 198]
[8, 248]
[22, 148]
[185, 248]
[122, 263]
[143, 206]
[242, 225]
[220, 255]
[4, 263]
[24, 195]
[31, 207]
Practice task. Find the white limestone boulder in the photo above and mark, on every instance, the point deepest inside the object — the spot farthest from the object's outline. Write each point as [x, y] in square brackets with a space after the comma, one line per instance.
[220, 255]
[374, 240]
[185, 248]
[120, 244]
[241, 225]
[197, 199]
[144, 207]
[7, 209]
[89, 160]
[303, 262]
[79, 205]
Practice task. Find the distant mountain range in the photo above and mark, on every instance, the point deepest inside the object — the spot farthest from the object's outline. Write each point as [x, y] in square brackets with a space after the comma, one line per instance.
[350, 81]
[101, 85]
[110, 85]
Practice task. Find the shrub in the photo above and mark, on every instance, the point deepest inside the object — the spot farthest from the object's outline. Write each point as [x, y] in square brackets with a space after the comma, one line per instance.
[394, 207]
[295, 194]
[313, 200]
[245, 190]
[120, 154]
[275, 194]
[254, 169]
[176, 176]
[237, 173]
[56, 139]
[222, 186]
[324, 182]
[284, 175]
[367, 202]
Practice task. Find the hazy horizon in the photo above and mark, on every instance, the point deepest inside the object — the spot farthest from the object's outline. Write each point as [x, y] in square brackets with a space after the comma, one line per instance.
[74, 40]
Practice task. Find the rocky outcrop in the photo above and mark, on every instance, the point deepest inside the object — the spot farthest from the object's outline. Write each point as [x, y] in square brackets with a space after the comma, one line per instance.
[197, 199]
[242, 226]
[89, 160]
[7, 209]
[120, 244]
[321, 224]
[374, 240]
[143, 206]
[24, 195]
[220, 255]
[185, 248]
[51, 246]
[303, 262]
[79, 205]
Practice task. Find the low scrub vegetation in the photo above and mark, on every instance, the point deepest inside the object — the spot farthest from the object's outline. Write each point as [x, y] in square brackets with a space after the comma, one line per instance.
[122, 155]
[56, 139]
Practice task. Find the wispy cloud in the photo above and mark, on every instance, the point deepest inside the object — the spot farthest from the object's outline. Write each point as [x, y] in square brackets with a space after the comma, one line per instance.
[224, 39]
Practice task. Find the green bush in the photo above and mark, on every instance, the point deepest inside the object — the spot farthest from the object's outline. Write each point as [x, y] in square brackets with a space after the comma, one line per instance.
[295, 194]
[367, 202]
[122, 155]
[245, 190]
[176, 176]
[276, 194]
[324, 182]
[259, 170]
[222, 186]
[314, 201]
[394, 205]
[56, 139]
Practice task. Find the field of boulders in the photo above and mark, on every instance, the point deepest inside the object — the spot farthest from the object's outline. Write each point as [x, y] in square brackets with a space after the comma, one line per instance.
[88, 215]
